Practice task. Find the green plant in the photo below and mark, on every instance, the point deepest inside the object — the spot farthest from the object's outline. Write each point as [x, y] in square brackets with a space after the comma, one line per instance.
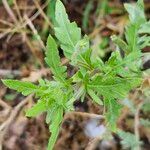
[104, 82]
[129, 140]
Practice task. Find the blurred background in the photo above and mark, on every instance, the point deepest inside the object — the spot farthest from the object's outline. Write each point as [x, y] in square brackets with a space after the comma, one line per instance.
[24, 27]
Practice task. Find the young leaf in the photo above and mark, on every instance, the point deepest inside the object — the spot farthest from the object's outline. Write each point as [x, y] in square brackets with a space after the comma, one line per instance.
[137, 19]
[122, 45]
[24, 87]
[132, 37]
[84, 59]
[136, 13]
[37, 109]
[144, 41]
[53, 60]
[49, 114]
[81, 48]
[145, 28]
[67, 33]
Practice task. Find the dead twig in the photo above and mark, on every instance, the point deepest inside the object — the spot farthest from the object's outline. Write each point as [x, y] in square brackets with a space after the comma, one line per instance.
[4, 104]
[6, 23]
[34, 31]
[9, 11]
[42, 13]
[96, 31]
[83, 114]
[17, 10]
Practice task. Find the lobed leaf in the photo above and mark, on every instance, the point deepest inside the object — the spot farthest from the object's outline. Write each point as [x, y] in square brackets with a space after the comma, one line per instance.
[24, 87]
[145, 28]
[131, 35]
[136, 13]
[113, 87]
[67, 33]
[37, 109]
[113, 112]
[53, 60]
[54, 127]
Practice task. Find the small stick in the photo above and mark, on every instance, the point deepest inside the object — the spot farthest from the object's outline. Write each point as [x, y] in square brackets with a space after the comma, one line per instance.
[34, 31]
[42, 13]
[4, 104]
[84, 114]
[18, 11]
[9, 11]
[6, 22]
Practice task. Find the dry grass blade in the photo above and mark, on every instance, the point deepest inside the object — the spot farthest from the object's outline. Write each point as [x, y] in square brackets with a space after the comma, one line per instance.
[6, 23]
[84, 114]
[9, 11]
[34, 31]
[42, 13]
[17, 10]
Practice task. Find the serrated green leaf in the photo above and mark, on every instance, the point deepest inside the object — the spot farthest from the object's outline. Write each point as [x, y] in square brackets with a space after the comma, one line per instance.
[82, 52]
[120, 43]
[41, 82]
[136, 12]
[145, 28]
[137, 19]
[113, 87]
[24, 87]
[67, 33]
[144, 41]
[54, 127]
[132, 37]
[84, 60]
[113, 112]
[115, 64]
[125, 67]
[77, 77]
[53, 60]
[37, 109]
[94, 97]
[49, 115]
